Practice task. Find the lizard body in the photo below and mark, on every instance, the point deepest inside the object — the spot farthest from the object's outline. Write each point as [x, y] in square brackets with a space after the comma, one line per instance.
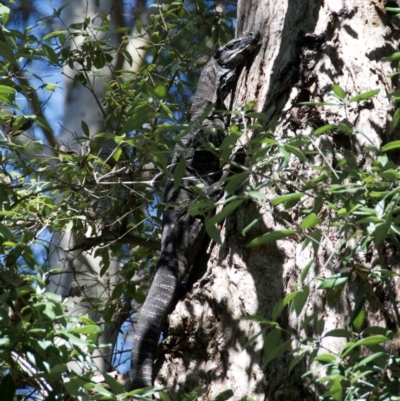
[182, 234]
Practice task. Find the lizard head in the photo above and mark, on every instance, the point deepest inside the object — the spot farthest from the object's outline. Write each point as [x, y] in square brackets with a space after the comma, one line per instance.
[230, 59]
[235, 51]
[220, 74]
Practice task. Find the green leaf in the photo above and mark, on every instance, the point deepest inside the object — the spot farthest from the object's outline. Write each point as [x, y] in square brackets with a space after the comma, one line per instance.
[378, 330]
[166, 109]
[310, 221]
[97, 388]
[47, 309]
[393, 124]
[225, 395]
[277, 309]
[343, 127]
[252, 339]
[319, 326]
[88, 329]
[380, 232]
[392, 57]
[213, 233]
[394, 144]
[4, 9]
[324, 128]
[314, 239]
[179, 172]
[7, 90]
[297, 152]
[372, 340]
[117, 153]
[115, 387]
[43, 124]
[305, 270]
[55, 34]
[160, 91]
[261, 116]
[50, 87]
[364, 96]
[346, 350]
[256, 195]
[271, 341]
[250, 226]
[235, 181]
[28, 257]
[290, 297]
[317, 104]
[334, 281]
[300, 300]
[287, 198]
[336, 390]
[369, 359]
[85, 128]
[358, 315]
[325, 358]
[226, 211]
[7, 388]
[343, 189]
[277, 352]
[338, 91]
[395, 94]
[271, 237]
[71, 338]
[164, 396]
[296, 360]
[8, 213]
[371, 219]
[142, 115]
[339, 333]
[52, 55]
[9, 243]
[393, 9]
[255, 318]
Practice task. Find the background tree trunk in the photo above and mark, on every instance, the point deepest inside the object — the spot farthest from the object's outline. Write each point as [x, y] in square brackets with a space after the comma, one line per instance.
[307, 46]
[80, 279]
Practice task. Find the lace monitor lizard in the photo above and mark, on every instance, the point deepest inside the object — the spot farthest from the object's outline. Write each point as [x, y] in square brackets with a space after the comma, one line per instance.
[182, 234]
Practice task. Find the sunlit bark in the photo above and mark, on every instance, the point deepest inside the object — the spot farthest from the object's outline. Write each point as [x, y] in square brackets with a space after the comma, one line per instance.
[307, 46]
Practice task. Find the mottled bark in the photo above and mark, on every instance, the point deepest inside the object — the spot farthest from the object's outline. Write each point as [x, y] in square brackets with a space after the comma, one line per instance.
[306, 46]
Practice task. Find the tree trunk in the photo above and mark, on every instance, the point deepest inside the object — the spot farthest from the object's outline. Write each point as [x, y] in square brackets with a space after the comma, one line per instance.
[80, 279]
[307, 46]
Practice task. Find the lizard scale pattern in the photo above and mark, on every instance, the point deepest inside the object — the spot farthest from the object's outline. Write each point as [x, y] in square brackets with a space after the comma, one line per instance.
[182, 234]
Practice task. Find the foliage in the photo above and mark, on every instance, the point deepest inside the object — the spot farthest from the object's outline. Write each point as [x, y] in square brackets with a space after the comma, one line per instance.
[108, 194]
[361, 202]
[111, 193]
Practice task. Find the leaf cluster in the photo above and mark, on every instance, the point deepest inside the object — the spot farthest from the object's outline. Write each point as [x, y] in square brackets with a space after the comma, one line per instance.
[359, 202]
[108, 193]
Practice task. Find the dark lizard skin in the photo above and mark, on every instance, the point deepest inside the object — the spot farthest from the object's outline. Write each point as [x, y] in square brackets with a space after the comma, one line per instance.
[182, 234]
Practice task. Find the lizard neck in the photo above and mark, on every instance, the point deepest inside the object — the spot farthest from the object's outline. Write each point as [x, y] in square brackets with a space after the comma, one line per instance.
[208, 92]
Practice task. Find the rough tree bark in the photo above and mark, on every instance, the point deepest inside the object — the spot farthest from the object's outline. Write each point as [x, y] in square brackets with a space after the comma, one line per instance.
[306, 46]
